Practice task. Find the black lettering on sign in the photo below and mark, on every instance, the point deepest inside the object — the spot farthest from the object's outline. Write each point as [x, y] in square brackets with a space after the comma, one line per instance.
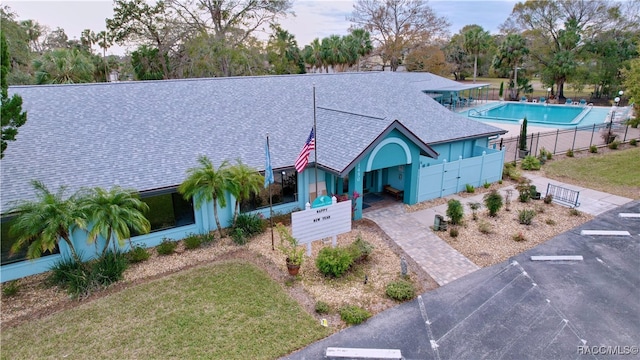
[326, 217]
[316, 220]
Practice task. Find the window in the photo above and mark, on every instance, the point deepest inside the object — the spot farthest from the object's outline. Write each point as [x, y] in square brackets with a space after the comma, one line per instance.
[167, 210]
[7, 240]
[283, 190]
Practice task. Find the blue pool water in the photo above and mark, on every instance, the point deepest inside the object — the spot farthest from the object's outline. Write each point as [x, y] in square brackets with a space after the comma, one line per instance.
[548, 114]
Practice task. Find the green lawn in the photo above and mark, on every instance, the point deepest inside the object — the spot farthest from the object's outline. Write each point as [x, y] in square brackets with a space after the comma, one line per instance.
[224, 311]
[616, 172]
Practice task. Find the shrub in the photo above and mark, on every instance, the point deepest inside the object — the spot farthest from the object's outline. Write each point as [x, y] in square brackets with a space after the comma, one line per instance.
[511, 171]
[593, 149]
[109, 268]
[137, 254]
[549, 155]
[469, 188]
[333, 261]
[548, 199]
[455, 211]
[166, 247]
[493, 202]
[486, 184]
[474, 206]
[239, 236]
[633, 142]
[530, 163]
[633, 122]
[360, 249]
[10, 288]
[322, 307]
[550, 222]
[484, 227]
[574, 212]
[192, 241]
[63, 270]
[354, 315]
[614, 144]
[524, 190]
[526, 216]
[400, 290]
[569, 153]
[519, 237]
[453, 232]
[252, 224]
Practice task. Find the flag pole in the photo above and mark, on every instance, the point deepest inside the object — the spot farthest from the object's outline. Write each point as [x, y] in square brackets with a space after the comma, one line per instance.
[270, 203]
[315, 135]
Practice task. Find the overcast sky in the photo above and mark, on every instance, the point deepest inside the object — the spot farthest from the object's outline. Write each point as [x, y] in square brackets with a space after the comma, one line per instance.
[314, 18]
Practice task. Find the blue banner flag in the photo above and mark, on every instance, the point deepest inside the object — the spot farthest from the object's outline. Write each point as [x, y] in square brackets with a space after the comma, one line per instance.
[268, 170]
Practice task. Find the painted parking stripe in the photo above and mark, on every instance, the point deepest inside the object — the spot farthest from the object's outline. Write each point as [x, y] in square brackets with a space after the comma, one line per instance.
[605, 232]
[361, 353]
[556, 258]
[629, 215]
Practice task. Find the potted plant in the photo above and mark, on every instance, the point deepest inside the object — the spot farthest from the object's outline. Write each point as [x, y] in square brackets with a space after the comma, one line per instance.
[501, 91]
[522, 147]
[289, 247]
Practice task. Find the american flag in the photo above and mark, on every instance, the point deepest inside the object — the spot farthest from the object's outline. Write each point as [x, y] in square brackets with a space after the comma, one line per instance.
[303, 158]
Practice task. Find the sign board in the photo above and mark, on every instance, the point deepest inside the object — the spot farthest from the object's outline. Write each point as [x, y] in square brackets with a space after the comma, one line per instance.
[319, 223]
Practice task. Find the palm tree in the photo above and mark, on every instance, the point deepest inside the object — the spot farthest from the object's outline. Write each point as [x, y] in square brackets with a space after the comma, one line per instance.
[476, 40]
[361, 43]
[313, 54]
[511, 53]
[63, 66]
[42, 223]
[243, 182]
[333, 52]
[205, 183]
[113, 214]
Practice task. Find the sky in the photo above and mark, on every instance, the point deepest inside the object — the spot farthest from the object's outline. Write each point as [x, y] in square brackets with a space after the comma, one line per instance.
[314, 18]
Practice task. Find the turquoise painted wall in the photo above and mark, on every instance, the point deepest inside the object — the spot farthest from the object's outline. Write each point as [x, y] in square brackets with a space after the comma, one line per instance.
[205, 222]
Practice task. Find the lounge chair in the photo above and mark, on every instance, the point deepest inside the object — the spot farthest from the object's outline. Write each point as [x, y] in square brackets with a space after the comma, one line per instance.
[523, 99]
[542, 100]
[568, 102]
[583, 102]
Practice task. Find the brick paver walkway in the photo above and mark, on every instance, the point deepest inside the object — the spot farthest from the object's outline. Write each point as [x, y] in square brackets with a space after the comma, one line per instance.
[435, 256]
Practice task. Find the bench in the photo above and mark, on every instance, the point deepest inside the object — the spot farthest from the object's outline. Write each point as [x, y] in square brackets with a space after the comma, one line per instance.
[563, 195]
[393, 191]
[361, 353]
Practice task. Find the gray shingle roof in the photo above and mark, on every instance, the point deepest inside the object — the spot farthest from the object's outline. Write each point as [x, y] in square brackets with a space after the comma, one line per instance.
[145, 135]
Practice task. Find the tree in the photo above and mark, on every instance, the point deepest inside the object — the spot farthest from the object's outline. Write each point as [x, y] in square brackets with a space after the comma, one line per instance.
[511, 54]
[113, 214]
[632, 82]
[145, 64]
[427, 58]
[205, 183]
[229, 22]
[12, 116]
[358, 44]
[243, 182]
[64, 66]
[523, 135]
[396, 26]
[312, 55]
[43, 223]
[19, 53]
[283, 52]
[150, 25]
[476, 40]
[557, 31]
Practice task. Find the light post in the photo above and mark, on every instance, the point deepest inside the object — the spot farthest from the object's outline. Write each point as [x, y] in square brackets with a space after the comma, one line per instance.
[617, 100]
[620, 93]
[548, 93]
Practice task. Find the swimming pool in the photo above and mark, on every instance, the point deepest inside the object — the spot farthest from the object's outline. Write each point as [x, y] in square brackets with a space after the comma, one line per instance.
[535, 113]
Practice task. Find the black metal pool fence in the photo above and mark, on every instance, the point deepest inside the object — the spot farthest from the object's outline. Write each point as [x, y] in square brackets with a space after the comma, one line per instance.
[560, 141]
